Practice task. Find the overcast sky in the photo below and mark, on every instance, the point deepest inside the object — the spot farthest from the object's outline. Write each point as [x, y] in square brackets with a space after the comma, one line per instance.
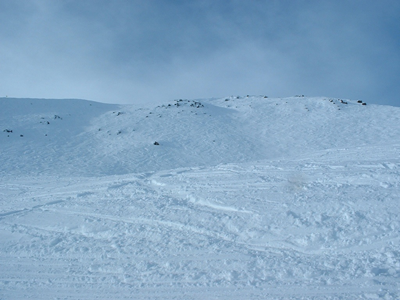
[153, 51]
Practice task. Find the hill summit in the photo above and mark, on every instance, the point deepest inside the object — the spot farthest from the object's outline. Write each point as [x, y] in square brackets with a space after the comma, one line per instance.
[88, 138]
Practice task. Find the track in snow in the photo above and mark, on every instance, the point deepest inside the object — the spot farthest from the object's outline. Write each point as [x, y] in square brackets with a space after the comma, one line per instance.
[312, 228]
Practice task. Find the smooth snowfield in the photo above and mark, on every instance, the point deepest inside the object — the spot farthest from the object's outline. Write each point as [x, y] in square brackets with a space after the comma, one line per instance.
[243, 198]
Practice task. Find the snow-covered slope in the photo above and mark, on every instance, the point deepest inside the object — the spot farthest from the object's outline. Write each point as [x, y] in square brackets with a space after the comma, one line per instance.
[243, 198]
[72, 137]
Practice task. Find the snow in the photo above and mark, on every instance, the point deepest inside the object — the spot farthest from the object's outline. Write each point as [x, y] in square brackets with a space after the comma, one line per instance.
[243, 198]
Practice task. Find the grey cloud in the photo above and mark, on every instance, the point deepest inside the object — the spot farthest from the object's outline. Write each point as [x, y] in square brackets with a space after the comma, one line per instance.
[138, 51]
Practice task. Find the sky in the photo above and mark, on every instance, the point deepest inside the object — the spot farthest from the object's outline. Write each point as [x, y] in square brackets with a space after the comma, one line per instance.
[154, 51]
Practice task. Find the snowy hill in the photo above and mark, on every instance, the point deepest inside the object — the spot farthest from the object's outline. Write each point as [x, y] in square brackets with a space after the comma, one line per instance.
[87, 138]
[242, 198]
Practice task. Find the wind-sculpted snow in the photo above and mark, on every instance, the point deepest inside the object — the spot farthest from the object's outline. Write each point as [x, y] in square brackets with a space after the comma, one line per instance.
[248, 198]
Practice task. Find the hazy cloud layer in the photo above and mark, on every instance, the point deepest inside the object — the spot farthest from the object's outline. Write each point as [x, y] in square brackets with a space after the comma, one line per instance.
[131, 51]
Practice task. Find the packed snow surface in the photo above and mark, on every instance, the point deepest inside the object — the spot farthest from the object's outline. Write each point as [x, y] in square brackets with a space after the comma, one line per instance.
[232, 198]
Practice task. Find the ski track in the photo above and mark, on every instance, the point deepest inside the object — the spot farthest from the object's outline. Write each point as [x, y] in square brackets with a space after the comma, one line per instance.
[322, 223]
[258, 228]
